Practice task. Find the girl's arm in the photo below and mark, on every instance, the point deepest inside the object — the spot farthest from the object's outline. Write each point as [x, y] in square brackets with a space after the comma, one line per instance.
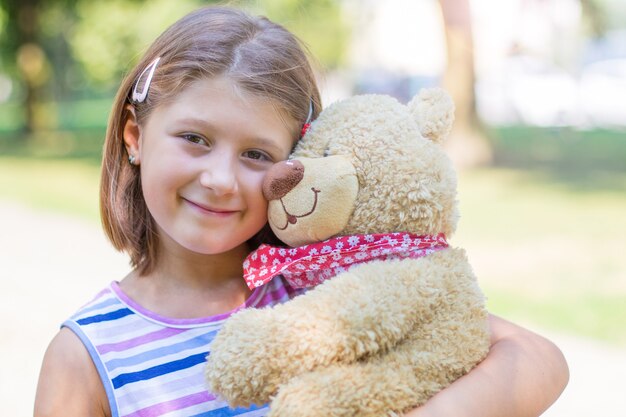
[522, 376]
[69, 385]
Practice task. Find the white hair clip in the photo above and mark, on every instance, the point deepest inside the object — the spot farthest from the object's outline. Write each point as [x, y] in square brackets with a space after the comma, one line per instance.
[140, 96]
[308, 118]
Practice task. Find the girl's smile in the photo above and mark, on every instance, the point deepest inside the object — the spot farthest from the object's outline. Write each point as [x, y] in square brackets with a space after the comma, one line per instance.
[209, 210]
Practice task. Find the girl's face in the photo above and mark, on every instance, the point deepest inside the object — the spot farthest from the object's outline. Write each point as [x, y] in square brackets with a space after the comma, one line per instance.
[203, 158]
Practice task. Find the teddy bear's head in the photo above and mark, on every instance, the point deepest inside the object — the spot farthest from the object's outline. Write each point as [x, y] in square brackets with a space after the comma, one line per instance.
[368, 164]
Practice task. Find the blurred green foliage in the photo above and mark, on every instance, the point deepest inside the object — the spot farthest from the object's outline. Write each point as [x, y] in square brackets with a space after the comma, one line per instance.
[582, 313]
[109, 36]
[78, 50]
[584, 159]
[320, 24]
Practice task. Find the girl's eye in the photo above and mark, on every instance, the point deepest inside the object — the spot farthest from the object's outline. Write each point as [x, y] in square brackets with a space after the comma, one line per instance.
[190, 137]
[257, 155]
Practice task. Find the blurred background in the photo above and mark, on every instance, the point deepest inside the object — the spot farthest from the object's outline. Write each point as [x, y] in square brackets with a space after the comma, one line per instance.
[539, 141]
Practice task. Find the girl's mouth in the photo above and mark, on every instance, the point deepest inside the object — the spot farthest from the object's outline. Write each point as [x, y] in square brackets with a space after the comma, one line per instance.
[216, 211]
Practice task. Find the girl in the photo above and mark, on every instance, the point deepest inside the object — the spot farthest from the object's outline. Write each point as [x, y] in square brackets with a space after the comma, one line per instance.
[217, 99]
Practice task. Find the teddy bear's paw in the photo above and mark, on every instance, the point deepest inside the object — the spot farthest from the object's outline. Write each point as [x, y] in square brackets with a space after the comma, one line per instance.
[304, 397]
[340, 391]
[232, 385]
[242, 366]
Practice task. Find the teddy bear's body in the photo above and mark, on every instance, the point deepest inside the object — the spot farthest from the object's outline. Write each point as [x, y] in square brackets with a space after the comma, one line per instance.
[384, 335]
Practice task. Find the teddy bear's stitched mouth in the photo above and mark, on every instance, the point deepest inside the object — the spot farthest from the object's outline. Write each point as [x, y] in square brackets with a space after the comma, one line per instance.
[292, 218]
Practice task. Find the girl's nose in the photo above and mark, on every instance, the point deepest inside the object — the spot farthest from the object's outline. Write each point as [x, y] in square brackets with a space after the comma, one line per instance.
[220, 177]
[282, 178]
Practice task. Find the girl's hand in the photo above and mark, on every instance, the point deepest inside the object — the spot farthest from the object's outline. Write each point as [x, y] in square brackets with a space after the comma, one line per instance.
[522, 376]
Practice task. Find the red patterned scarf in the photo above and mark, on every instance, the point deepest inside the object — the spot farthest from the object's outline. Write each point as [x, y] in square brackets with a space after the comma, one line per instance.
[309, 265]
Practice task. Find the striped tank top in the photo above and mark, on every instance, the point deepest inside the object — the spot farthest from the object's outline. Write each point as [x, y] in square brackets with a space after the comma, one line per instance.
[152, 365]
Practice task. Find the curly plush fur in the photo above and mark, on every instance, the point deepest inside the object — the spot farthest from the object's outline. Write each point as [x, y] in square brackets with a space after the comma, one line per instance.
[385, 336]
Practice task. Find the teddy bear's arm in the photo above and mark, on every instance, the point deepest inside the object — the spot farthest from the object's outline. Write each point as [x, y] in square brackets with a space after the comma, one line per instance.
[394, 381]
[357, 313]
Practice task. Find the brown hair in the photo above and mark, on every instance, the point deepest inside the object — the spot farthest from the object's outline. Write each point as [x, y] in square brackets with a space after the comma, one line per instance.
[262, 57]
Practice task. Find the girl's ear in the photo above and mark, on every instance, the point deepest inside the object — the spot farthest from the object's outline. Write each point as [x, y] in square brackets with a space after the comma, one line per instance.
[132, 135]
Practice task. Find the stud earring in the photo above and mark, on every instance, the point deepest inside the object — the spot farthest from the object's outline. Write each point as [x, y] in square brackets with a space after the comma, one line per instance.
[131, 159]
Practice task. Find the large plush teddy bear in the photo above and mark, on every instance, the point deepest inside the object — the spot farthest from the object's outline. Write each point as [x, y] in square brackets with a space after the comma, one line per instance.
[367, 198]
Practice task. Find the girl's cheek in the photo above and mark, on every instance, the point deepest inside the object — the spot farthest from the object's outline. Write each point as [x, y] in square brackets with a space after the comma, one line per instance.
[257, 177]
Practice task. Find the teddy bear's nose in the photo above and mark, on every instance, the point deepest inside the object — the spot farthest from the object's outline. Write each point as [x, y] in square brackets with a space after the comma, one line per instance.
[282, 178]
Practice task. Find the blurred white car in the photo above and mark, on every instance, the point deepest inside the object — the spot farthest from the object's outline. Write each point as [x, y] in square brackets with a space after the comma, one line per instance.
[602, 96]
[527, 90]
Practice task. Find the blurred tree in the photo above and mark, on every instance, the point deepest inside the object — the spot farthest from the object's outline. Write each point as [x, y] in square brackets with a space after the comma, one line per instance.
[34, 51]
[468, 146]
[22, 52]
[595, 16]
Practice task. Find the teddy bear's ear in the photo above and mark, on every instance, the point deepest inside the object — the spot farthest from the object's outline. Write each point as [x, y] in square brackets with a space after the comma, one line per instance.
[433, 110]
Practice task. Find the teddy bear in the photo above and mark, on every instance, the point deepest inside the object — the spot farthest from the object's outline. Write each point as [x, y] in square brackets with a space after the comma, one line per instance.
[389, 313]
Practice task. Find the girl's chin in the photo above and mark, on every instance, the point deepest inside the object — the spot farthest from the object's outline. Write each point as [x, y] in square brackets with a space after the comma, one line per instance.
[217, 248]
[204, 241]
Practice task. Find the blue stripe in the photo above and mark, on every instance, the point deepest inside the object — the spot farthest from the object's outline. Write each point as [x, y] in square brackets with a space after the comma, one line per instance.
[166, 368]
[228, 412]
[113, 315]
[202, 340]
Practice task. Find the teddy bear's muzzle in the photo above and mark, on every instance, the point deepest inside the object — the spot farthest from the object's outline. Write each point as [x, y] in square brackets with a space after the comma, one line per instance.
[282, 178]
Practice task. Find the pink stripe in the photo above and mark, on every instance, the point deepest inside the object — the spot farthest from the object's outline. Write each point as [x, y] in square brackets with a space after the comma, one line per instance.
[177, 404]
[252, 299]
[140, 340]
[273, 296]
